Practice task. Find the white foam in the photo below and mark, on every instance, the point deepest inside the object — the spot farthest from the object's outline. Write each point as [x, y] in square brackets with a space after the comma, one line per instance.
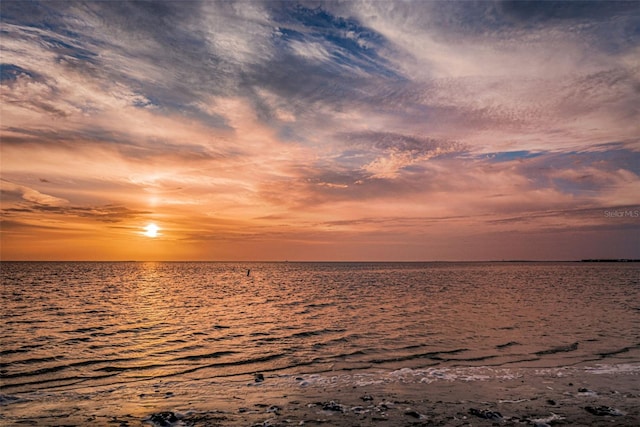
[587, 393]
[467, 374]
[624, 368]
[513, 401]
[551, 418]
[444, 374]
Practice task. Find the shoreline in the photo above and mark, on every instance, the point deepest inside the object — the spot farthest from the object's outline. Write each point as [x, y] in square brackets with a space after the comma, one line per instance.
[403, 397]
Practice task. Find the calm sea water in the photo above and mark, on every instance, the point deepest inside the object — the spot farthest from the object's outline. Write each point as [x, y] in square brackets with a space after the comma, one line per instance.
[83, 328]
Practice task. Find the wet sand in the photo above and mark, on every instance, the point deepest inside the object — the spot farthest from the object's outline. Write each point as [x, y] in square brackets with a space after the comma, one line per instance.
[530, 397]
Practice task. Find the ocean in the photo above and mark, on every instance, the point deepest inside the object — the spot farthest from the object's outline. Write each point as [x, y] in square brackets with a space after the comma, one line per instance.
[85, 339]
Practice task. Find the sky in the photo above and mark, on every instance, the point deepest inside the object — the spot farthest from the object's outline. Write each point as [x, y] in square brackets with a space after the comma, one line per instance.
[331, 130]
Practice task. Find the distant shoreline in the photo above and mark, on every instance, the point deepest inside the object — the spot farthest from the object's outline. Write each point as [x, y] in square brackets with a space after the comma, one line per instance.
[587, 260]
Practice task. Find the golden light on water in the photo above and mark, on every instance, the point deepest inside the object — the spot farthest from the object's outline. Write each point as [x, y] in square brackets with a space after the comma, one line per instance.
[151, 230]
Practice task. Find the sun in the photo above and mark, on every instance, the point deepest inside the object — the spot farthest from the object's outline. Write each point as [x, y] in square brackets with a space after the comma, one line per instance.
[151, 230]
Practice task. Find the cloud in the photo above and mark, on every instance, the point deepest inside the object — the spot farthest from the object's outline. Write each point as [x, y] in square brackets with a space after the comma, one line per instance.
[22, 201]
[30, 195]
[107, 214]
[274, 119]
[398, 151]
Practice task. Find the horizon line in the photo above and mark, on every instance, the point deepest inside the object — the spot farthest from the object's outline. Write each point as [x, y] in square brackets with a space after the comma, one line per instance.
[343, 261]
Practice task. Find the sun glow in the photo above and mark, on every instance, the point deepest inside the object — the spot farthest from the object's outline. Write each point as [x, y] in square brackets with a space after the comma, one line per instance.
[151, 230]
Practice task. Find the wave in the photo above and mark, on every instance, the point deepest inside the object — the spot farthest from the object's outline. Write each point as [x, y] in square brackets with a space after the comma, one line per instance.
[221, 327]
[214, 355]
[320, 305]
[433, 355]
[99, 332]
[179, 350]
[506, 345]
[559, 349]
[472, 359]
[30, 361]
[306, 334]
[85, 330]
[23, 349]
[618, 351]
[129, 368]
[16, 351]
[72, 341]
[57, 368]
[242, 362]
[58, 382]
[24, 322]
[6, 399]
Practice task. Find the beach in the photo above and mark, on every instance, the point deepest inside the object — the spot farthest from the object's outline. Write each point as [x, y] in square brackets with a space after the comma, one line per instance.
[578, 396]
[484, 398]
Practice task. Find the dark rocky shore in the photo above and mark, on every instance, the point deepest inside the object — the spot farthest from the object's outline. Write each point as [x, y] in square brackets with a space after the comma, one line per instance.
[550, 399]
[582, 407]
[556, 398]
[398, 413]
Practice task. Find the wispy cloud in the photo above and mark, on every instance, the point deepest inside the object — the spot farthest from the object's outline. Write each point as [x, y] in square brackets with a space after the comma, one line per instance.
[9, 190]
[291, 123]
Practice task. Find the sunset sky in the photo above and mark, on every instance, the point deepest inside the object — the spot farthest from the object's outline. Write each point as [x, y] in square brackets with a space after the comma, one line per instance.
[359, 130]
